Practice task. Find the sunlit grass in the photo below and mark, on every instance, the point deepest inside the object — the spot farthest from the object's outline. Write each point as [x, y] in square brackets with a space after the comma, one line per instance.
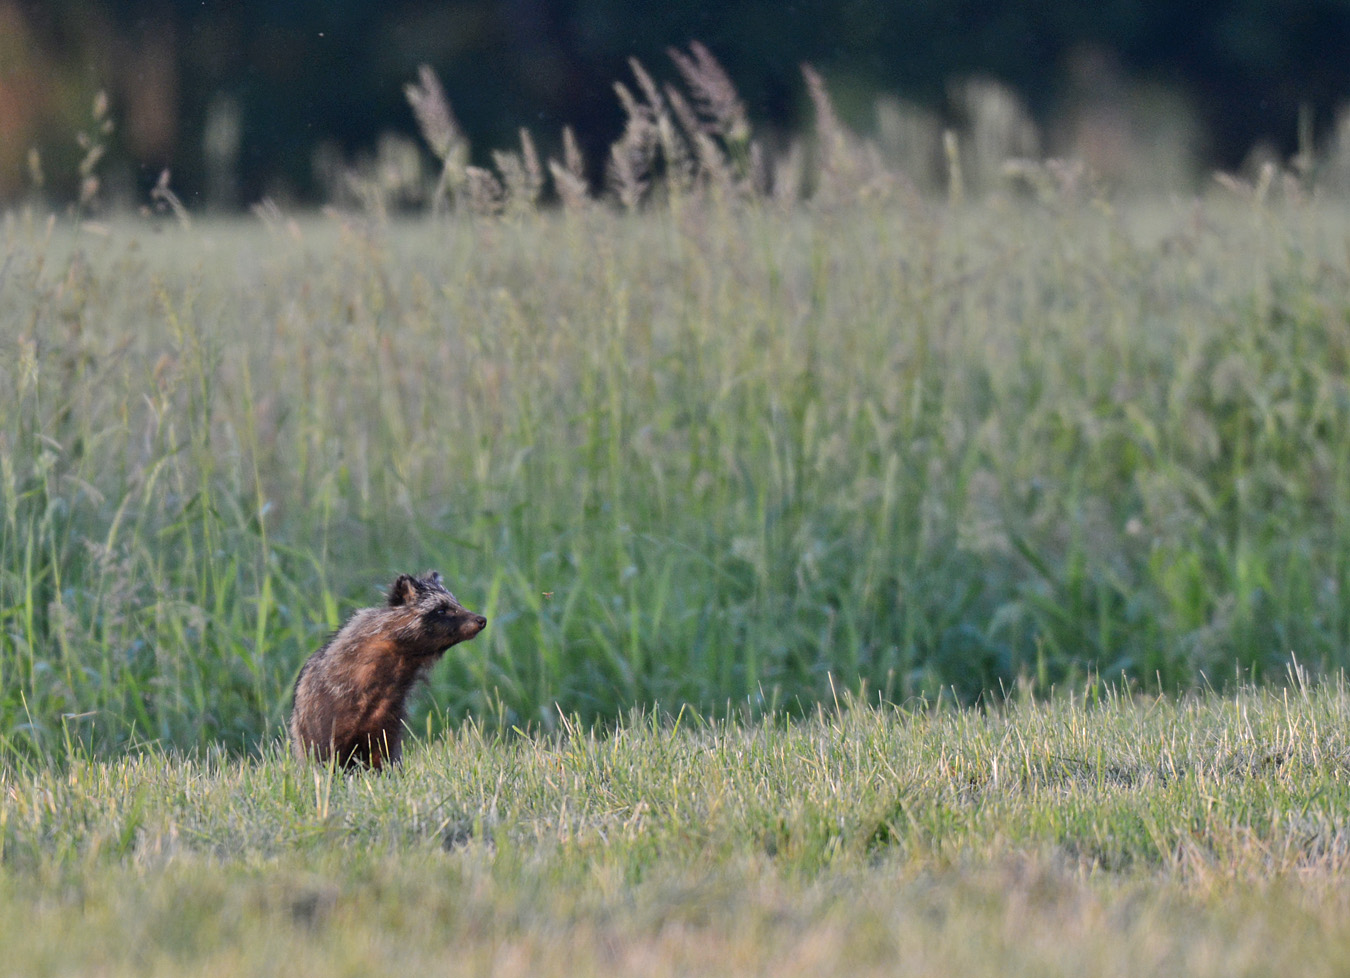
[1106, 836]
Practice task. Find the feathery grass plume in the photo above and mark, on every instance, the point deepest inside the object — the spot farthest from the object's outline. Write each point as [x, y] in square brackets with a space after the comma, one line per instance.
[630, 159]
[712, 161]
[165, 199]
[689, 119]
[846, 166]
[95, 145]
[655, 103]
[485, 194]
[393, 177]
[516, 195]
[437, 124]
[679, 163]
[432, 111]
[836, 164]
[569, 176]
[717, 124]
[714, 94]
[522, 176]
[534, 172]
[632, 108]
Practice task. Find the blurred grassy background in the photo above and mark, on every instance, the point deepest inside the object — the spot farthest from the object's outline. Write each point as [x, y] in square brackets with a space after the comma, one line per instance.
[267, 100]
[734, 456]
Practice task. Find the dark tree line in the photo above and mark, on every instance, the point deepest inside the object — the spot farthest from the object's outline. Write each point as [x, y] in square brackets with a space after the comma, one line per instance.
[294, 73]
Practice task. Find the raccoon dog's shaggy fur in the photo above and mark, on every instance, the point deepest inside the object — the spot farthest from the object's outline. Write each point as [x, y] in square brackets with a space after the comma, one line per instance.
[351, 695]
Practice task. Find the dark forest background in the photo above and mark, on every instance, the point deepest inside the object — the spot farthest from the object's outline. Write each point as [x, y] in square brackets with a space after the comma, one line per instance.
[264, 86]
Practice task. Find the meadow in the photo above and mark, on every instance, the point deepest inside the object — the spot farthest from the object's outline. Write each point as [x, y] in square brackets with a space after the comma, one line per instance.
[725, 455]
[1110, 835]
[871, 576]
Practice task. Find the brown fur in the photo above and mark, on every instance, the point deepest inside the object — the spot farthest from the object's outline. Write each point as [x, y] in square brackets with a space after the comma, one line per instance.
[351, 694]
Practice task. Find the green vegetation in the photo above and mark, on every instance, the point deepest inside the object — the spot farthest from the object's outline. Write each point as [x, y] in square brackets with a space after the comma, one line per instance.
[1124, 836]
[713, 454]
[763, 484]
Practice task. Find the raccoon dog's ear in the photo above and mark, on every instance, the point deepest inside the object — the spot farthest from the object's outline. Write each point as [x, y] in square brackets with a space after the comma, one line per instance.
[433, 577]
[403, 591]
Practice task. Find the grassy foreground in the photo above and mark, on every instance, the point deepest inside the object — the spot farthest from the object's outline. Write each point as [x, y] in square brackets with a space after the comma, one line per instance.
[712, 453]
[1121, 836]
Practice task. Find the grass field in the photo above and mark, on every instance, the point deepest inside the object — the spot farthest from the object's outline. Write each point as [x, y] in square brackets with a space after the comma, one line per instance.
[723, 455]
[1204, 836]
[875, 583]
[724, 478]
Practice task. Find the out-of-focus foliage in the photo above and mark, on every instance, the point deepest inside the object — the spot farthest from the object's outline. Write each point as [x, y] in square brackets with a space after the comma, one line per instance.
[237, 98]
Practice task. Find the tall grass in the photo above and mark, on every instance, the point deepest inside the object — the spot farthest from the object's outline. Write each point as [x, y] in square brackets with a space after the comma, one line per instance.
[717, 446]
[729, 457]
